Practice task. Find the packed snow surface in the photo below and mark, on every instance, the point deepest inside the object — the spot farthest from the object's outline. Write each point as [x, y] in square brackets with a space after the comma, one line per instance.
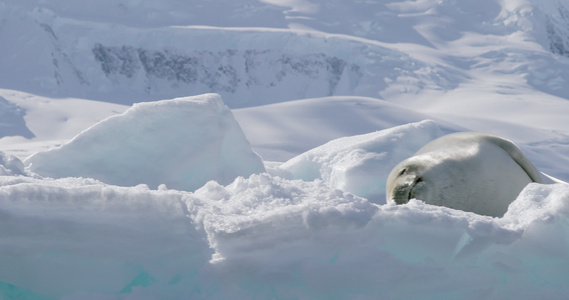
[168, 199]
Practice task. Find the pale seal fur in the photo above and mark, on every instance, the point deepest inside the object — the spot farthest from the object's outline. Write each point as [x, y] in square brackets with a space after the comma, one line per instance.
[470, 171]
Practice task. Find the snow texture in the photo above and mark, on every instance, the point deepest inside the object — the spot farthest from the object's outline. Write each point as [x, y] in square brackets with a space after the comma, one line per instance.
[182, 143]
[360, 164]
[12, 121]
[167, 200]
[10, 165]
[268, 237]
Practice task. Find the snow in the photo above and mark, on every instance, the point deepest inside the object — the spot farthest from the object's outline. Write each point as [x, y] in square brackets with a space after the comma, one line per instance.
[123, 177]
[360, 164]
[52, 121]
[270, 237]
[13, 123]
[182, 143]
[248, 66]
[10, 165]
[278, 131]
[93, 237]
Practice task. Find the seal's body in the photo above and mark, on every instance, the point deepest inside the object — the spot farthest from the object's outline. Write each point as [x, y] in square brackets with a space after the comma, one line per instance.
[470, 171]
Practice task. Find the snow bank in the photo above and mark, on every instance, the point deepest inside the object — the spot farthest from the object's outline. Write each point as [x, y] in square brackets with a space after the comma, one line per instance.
[182, 143]
[272, 238]
[342, 247]
[68, 235]
[360, 164]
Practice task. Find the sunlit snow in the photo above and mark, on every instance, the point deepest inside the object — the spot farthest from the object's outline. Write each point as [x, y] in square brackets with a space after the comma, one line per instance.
[182, 143]
[239, 149]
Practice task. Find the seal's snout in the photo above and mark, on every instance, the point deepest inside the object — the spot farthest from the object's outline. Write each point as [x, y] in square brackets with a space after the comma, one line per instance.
[405, 190]
[401, 193]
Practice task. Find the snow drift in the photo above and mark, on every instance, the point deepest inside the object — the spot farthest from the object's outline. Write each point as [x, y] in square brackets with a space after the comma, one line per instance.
[182, 143]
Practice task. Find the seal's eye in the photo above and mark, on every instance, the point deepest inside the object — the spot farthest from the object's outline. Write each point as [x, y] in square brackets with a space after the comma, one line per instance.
[402, 171]
[419, 179]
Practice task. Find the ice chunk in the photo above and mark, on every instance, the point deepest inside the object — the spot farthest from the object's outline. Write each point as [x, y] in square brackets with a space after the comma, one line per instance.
[182, 143]
[69, 235]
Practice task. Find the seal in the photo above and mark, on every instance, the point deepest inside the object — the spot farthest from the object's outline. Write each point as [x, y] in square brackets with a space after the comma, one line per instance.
[470, 171]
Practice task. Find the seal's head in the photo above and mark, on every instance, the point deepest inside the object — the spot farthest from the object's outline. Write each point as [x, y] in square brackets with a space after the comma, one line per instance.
[407, 181]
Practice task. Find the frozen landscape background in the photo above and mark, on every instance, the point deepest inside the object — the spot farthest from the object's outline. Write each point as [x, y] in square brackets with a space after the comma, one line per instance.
[239, 149]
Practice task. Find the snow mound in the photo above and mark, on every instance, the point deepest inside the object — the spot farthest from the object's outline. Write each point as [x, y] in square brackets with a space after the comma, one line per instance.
[360, 164]
[182, 143]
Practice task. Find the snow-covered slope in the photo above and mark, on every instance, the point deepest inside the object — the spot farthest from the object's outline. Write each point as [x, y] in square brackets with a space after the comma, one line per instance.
[52, 121]
[246, 66]
[278, 132]
[368, 49]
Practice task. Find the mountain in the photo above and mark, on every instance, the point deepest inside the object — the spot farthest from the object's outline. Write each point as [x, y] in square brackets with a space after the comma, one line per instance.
[261, 52]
